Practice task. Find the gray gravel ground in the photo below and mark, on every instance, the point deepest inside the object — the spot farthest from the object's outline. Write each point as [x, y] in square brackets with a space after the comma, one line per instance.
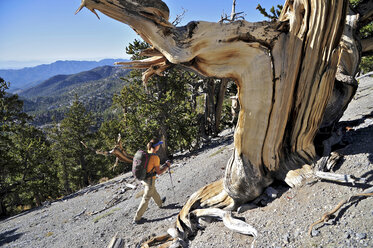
[282, 221]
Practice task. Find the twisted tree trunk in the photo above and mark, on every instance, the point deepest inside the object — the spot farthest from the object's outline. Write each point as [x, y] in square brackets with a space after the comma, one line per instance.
[293, 77]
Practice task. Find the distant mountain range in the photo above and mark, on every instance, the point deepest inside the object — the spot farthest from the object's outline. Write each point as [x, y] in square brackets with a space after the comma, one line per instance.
[95, 88]
[60, 84]
[21, 79]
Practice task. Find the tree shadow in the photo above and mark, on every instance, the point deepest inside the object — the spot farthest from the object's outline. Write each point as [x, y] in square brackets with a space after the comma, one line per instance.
[162, 218]
[9, 236]
[356, 122]
[344, 209]
[25, 212]
[263, 200]
[369, 176]
[172, 206]
[169, 206]
[355, 137]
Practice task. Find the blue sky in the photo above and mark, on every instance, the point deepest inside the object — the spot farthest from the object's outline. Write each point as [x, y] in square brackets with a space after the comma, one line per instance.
[43, 31]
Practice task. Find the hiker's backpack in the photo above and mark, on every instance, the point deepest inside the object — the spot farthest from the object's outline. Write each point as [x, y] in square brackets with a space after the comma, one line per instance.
[140, 164]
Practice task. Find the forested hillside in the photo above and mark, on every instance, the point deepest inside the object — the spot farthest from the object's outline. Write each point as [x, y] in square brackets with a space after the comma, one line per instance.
[52, 97]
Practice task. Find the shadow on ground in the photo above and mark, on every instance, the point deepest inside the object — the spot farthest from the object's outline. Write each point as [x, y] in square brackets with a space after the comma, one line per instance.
[9, 236]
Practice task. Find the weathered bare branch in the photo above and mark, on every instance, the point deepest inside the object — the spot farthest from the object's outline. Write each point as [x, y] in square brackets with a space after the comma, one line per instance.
[327, 162]
[114, 201]
[178, 18]
[366, 193]
[80, 214]
[339, 177]
[118, 151]
[116, 242]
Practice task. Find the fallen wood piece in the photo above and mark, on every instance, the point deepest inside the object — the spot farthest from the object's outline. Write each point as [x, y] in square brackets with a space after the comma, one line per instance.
[173, 237]
[116, 200]
[365, 75]
[339, 177]
[229, 221]
[165, 240]
[326, 163]
[81, 213]
[131, 186]
[116, 242]
[112, 241]
[366, 193]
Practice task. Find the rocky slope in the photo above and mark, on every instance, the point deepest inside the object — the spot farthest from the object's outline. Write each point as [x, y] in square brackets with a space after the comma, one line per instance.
[92, 216]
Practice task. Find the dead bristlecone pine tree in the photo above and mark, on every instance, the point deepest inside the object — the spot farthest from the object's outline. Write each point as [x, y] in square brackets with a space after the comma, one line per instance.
[295, 77]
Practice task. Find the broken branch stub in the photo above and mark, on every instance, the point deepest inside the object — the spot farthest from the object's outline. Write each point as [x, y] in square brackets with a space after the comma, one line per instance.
[118, 151]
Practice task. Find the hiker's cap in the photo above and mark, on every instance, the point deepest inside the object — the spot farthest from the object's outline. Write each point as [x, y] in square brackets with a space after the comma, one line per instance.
[157, 144]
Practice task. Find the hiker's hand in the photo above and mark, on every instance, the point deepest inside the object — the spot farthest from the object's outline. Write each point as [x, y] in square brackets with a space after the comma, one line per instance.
[168, 163]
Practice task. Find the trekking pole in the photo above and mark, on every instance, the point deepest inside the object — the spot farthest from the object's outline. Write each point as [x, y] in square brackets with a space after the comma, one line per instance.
[172, 183]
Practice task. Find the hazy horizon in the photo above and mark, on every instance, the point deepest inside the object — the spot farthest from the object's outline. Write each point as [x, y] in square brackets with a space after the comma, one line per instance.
[18, 64]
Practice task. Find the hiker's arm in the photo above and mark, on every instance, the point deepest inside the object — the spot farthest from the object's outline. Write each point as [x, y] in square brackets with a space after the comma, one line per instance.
[159, 171]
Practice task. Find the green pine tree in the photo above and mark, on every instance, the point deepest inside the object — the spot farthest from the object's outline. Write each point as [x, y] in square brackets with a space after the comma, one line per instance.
[75, 170]
[26, 174]
[32, 154]
[274, 12]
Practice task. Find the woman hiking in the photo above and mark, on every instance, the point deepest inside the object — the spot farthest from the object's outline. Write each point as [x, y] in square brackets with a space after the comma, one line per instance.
[150, 191]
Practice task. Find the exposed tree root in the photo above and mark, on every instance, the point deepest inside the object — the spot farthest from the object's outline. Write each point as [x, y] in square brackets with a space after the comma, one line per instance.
[184, 224]
[164, 241]
[356, 197]
[228, 220]
[296, 177]
[211, 201]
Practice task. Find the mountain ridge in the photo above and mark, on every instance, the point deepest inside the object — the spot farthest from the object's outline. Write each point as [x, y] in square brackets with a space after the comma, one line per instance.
[56, 84]
[51, 98]
[21, 79]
